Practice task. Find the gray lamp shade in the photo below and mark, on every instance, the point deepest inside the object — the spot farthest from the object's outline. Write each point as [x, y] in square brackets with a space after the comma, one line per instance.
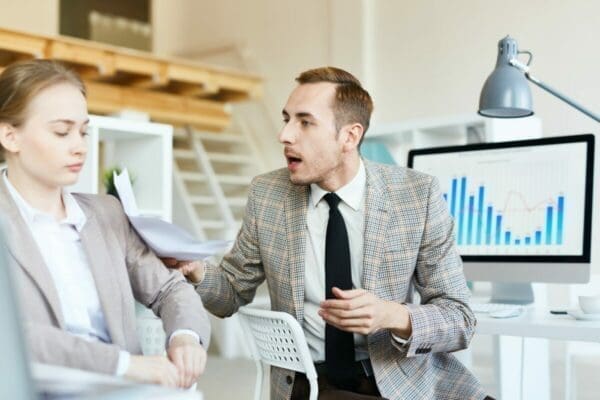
[506, 93]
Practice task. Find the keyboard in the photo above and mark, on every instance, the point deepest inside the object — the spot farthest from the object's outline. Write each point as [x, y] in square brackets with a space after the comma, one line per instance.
[487, 308]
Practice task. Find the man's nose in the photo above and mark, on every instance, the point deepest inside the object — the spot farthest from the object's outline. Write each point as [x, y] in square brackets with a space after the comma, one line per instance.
[286, 135]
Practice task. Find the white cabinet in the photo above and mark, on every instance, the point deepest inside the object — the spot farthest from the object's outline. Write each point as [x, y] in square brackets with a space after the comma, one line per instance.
[144, 148]
[401, 137]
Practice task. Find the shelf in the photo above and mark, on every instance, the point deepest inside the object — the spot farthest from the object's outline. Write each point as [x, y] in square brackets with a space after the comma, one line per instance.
[230, 158]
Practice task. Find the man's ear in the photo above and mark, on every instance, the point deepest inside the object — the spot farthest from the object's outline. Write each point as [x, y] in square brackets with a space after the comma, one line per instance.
[354, 133]
[8, 137]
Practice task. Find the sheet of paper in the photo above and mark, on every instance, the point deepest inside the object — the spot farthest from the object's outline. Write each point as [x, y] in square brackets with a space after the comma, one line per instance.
[164, 238]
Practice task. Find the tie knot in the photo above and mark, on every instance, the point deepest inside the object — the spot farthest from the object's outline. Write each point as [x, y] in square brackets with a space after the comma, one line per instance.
[332, 199]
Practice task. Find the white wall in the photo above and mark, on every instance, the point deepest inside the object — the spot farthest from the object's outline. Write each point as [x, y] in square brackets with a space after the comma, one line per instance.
[432, 56]
[33, 16]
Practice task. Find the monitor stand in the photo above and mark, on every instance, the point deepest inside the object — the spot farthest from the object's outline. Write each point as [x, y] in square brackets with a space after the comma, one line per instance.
[512, 293]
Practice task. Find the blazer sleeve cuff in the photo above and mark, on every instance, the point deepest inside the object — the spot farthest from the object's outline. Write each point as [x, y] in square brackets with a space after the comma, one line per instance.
[420, 320]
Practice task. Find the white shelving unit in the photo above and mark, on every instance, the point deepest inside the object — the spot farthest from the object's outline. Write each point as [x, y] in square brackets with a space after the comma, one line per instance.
[144, 148]
[403, 136]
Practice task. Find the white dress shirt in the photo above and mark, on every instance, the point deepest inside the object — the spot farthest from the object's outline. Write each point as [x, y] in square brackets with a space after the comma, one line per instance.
[352, 208]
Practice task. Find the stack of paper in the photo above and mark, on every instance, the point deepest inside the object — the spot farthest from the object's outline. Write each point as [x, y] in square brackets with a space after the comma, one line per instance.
[164, 238]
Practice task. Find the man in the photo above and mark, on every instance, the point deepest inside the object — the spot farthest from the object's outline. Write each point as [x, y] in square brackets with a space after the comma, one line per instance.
[341, 243]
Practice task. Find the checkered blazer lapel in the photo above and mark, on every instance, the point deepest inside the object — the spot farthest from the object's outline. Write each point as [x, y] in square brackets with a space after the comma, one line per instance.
[376, 220]
[295, 208]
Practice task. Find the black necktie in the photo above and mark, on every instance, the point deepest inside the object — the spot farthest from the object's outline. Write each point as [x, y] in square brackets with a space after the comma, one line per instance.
[339, 345]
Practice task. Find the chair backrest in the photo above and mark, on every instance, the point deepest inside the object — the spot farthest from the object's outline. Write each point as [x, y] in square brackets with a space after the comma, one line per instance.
[277, 339]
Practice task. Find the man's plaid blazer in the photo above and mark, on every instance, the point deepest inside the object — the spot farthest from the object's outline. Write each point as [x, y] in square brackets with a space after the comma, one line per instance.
[408, 243]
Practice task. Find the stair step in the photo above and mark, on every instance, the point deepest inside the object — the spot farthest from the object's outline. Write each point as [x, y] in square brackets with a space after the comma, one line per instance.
[230, 158]
[202, 200]
[192, 176]
[234, 179]
[237, 201]
[212, 224]
[184, 154]
[209, 201]
[220, 137]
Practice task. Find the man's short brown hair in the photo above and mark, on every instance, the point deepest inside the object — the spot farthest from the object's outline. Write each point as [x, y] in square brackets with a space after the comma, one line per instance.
[352, 103]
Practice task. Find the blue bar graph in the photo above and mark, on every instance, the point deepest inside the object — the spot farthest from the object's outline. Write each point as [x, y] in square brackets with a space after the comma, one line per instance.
[480, 214]
[453, 198]
[488, 226]
[559, 219]
[470, 219]
[461, 210]
[478, 224]
[549, 225]
[498, 228]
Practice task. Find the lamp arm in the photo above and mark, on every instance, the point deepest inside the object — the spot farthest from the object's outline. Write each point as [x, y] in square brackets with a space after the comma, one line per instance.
[524, 68]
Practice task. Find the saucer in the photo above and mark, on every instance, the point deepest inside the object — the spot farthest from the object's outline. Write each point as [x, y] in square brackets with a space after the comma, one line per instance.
[580, 315]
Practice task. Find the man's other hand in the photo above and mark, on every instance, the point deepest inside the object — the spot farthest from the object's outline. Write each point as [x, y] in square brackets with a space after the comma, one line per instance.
[192, 270]
[362, 312]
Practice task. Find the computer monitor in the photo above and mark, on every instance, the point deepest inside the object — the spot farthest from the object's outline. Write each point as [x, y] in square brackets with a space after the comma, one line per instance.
[522, 209]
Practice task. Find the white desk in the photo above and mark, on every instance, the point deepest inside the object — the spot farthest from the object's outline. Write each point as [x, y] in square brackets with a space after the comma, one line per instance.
[521, 348]
[539, 323]
[74, 380]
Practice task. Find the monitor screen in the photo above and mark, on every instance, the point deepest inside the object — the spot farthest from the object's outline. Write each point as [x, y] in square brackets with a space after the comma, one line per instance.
[517, 201]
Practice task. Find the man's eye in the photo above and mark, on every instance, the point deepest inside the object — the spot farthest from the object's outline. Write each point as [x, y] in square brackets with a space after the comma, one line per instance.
[304, 123]
[61, 133]
[285, 120]
[84, 133]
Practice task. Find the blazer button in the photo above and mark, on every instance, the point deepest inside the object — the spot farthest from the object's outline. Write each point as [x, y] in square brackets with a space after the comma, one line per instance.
[289, 380]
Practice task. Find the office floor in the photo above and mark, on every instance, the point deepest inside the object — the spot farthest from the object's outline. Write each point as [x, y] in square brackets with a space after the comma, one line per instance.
[235, 379]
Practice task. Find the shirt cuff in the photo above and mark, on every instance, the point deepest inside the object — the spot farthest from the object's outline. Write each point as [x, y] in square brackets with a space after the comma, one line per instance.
[400, 340]
[123, 363]
[185, 332]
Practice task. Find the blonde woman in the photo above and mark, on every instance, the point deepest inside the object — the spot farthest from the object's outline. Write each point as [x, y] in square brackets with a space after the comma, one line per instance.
[79, 264]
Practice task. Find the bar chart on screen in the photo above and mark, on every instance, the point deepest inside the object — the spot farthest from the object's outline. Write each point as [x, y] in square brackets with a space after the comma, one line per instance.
[514, 202]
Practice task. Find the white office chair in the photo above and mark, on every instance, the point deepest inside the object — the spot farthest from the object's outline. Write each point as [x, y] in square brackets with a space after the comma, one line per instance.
[579, 349]
[276, 338]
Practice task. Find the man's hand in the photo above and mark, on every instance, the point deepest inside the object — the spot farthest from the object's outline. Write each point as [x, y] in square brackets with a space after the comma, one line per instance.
[153, 369]
[192, 270]
[189, 357]
[362, 312]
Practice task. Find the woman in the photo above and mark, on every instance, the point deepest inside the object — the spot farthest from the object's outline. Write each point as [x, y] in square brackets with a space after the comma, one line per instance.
[79, 263]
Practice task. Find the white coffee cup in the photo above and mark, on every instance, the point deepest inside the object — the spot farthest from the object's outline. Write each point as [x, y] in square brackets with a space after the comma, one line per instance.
[590, 304]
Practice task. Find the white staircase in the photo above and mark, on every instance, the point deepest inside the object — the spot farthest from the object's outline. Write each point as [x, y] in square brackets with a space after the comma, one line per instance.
[212, 172]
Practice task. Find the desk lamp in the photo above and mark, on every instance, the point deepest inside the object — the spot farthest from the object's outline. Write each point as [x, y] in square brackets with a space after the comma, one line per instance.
[506, 93]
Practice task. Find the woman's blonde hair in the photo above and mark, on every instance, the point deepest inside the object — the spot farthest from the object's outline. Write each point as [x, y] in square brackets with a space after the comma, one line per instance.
[22, 81]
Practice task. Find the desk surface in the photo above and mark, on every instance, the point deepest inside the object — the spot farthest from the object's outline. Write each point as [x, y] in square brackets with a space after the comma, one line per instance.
[538, 322]
[49, 377]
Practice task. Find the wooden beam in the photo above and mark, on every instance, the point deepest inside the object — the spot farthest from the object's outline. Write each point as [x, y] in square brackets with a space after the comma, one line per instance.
[23, 43]
[163, 107]
[75, 54]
